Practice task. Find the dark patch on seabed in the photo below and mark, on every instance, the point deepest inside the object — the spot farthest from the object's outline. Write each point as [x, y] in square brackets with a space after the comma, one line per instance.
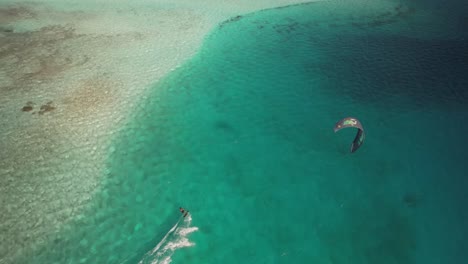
[429, 71]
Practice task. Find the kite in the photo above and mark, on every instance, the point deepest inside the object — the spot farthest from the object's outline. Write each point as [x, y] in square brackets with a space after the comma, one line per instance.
[352, 122]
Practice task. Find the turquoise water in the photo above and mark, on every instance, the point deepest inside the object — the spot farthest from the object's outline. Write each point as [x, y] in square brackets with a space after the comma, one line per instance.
[242, 136]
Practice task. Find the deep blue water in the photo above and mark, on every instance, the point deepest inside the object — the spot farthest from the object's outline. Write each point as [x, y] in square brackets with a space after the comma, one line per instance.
[242, 136]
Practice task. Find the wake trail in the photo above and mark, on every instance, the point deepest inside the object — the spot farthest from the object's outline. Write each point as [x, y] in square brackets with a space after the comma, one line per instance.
[175, 238]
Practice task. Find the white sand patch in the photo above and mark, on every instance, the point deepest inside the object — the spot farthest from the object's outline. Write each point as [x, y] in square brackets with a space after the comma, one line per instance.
[77, 68]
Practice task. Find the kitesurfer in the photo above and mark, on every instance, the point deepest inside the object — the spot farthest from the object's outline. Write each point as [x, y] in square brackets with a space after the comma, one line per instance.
[183, 211]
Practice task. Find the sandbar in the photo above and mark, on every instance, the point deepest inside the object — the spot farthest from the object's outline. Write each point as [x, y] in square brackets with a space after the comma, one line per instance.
[71, 75]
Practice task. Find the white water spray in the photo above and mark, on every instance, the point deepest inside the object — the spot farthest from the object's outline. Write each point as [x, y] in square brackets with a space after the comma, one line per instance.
[175, 238]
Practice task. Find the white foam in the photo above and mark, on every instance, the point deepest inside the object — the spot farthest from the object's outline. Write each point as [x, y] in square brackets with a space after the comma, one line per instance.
[164, 261]
[176, 238]
[165, 237]
[182, 242]
[186, 231]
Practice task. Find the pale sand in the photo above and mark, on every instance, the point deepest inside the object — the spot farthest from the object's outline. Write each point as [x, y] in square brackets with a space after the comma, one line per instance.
[93, 63]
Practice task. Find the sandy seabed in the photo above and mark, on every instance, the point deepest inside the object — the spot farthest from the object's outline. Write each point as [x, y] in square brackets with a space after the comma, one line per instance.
[71, 74]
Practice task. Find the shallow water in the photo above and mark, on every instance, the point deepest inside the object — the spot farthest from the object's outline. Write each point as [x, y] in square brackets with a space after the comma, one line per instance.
[242, 136]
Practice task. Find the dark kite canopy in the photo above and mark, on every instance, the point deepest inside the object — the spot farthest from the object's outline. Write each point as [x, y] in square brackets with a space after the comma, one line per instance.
[352, 122]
